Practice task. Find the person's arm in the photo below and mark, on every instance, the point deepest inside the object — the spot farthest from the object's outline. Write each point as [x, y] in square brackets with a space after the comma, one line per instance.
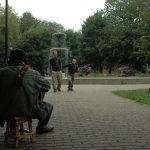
[65, 66]
[43, 84]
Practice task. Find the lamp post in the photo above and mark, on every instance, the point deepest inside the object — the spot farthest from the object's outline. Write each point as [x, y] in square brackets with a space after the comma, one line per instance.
[6, 32]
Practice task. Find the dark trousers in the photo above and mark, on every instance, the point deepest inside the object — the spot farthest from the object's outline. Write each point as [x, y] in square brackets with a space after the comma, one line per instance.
[70, 81]
[44, 122]
[48, 108]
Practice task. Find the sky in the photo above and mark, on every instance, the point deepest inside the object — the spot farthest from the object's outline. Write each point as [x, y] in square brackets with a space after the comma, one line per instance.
[70, 13]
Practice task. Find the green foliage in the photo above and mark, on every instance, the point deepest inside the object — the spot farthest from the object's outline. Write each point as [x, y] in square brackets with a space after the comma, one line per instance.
[37, 42]
[2, 32]
[93, 34]
[27, 21]
[118, 35]
[30, 34]
[140, 95]
[115, 36]
[13, 29]
[72, 42]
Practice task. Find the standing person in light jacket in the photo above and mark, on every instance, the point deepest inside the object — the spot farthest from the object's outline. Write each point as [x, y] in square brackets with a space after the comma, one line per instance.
[72, 69]
[56, 69]
[20, 90]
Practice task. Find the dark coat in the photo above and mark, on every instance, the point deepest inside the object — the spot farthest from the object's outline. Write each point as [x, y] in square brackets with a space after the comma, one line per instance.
[72, 68]
[16, 100]
[55, 64]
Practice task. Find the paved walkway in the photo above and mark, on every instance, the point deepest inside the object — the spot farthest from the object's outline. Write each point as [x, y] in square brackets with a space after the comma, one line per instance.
[108, 80]
[92, 118]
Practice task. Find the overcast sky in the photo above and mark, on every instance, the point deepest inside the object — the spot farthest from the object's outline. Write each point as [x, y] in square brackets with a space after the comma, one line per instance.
[69, 13]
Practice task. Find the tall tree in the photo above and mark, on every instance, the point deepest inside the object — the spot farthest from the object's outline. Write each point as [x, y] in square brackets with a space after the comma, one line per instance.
[73, 42]
[36, 41]
[27, 21]
[2, 34]
[13, 29]
[93, 34]
[124, 18]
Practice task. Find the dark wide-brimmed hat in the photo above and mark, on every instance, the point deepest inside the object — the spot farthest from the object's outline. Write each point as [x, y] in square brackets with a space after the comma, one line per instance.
[17, 55]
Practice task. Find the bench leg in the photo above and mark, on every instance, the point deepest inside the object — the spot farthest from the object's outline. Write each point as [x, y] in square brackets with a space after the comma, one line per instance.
[30, 131]
[6, 134]
[17, 134]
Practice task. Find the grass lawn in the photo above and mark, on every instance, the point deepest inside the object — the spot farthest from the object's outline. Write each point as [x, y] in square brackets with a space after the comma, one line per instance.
[140, 95]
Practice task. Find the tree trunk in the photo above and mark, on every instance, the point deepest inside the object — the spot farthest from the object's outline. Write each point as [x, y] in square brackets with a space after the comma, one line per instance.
[109, 70]
[100, 68]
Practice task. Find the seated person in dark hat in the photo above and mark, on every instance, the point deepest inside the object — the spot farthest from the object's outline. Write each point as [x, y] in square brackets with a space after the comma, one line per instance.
[20, 92]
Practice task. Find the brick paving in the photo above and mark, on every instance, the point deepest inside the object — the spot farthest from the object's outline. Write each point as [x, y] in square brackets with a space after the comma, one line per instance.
[92, 118]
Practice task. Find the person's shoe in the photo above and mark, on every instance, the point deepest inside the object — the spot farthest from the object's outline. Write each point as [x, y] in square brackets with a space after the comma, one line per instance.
[59, 90]
[70, 89]
[44, 130]
[24, 130]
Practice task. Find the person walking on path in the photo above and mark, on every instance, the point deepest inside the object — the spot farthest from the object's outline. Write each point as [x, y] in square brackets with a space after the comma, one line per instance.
[72, 69]
[20, 92]
[56, 68]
